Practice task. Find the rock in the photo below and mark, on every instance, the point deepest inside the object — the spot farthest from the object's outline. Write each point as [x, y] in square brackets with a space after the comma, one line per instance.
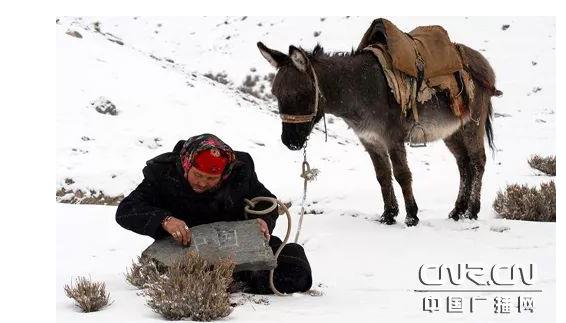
[96, 26]
[501, 115]
[499, 228]
[117, 41]
[240, 240]
[104, 106]
[74, 33]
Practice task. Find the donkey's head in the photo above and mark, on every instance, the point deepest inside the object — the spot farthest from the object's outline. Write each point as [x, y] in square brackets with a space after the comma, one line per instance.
[298, 93]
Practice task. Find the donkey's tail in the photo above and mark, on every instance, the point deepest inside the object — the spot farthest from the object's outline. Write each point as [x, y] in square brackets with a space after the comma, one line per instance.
[489, 128]
[482, 73]
[479, 68]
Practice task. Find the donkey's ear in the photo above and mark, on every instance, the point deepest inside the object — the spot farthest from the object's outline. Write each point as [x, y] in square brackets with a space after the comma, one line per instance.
[299, 58]
[275, 58]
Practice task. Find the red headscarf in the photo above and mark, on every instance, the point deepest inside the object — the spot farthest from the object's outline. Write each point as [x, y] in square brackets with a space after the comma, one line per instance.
[210, 161]
[208, 154]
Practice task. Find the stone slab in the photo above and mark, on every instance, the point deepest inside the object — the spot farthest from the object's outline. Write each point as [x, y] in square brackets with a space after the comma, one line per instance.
[240, 240]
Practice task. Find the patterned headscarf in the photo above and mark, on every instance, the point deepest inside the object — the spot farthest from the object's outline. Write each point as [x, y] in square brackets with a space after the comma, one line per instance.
[206, 141]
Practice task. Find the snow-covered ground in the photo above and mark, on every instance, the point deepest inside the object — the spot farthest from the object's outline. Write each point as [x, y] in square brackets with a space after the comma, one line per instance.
[365, 270]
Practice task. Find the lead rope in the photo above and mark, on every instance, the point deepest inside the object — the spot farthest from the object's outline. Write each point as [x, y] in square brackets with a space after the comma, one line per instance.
[275, 203]
[308, 175]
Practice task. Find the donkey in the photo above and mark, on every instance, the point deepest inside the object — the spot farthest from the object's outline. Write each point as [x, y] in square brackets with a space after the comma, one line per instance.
[352, 86]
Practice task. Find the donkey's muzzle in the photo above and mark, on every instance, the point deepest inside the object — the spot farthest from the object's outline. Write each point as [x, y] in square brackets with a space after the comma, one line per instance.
[294, 135]
[292, 144]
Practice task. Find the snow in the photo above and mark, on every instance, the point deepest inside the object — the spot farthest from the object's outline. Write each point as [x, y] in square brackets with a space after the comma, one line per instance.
[365, 270]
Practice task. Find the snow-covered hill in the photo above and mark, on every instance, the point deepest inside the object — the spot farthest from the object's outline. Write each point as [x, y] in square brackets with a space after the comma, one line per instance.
[154, 71]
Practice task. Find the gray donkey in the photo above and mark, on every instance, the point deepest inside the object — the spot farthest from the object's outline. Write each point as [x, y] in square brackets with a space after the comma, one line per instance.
[352, 86]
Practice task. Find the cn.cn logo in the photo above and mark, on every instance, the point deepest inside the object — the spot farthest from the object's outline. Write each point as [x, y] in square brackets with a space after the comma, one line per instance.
[477, 274]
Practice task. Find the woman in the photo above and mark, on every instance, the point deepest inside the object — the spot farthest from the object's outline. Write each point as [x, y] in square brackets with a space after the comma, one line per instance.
[203, 181]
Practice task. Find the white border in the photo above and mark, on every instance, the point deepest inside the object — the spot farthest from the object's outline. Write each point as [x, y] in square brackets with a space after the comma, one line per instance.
[28, 99]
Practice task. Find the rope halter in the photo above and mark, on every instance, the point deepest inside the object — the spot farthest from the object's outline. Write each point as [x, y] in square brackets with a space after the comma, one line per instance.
[308, 118]
[304, 118]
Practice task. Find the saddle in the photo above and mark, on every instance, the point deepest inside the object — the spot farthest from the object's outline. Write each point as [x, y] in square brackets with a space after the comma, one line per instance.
[428, 43]
[418, 64]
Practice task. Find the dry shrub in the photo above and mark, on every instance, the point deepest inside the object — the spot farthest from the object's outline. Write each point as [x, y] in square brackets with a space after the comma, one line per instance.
[258, 86]
[221, 78]
[520, 202]
[192, 288]
[546, 165]
[64, 195]
[143, 272]
[89, 296]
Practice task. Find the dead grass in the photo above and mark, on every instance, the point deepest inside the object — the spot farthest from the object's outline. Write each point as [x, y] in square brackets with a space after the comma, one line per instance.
[143, 272]
[221, 78]
[521, 202]
[64, 195]
[89, 296]
[258, 86]
[192, 288]
[546, 165]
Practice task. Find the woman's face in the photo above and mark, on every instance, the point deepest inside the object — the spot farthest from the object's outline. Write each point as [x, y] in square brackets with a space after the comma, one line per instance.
[201, 181]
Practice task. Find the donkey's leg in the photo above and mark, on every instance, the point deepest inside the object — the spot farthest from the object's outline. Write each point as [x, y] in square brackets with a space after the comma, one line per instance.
[455, 144]
[398, 156]
[382, 166]
[473, 137]
[476, 153]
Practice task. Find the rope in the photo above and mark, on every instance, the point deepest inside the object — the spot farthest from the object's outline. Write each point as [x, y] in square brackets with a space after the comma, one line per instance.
[275, 202]
[308, 175]
[304, 118]
[318, 93]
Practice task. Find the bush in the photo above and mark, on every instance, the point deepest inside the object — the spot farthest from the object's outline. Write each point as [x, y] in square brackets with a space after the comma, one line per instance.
[546, 165]
[520, 202]
[221, 78]
[257, 86]
[89, 296]
[78, 196]
[143, 272]
[192, 288]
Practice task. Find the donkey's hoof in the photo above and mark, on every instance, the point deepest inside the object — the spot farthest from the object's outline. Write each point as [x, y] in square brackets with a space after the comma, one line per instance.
[387, 219]
[469, 214]
[411, 221]
[455, 214]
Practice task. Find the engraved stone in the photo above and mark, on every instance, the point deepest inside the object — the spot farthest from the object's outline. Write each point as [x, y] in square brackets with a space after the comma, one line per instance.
[242, 241]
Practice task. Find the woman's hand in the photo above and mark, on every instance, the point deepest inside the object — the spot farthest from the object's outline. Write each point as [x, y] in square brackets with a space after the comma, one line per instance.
[178, 229]
[263, 227]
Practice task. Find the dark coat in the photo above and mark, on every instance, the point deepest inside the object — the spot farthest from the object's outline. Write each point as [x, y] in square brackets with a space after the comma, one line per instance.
[165, 192]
